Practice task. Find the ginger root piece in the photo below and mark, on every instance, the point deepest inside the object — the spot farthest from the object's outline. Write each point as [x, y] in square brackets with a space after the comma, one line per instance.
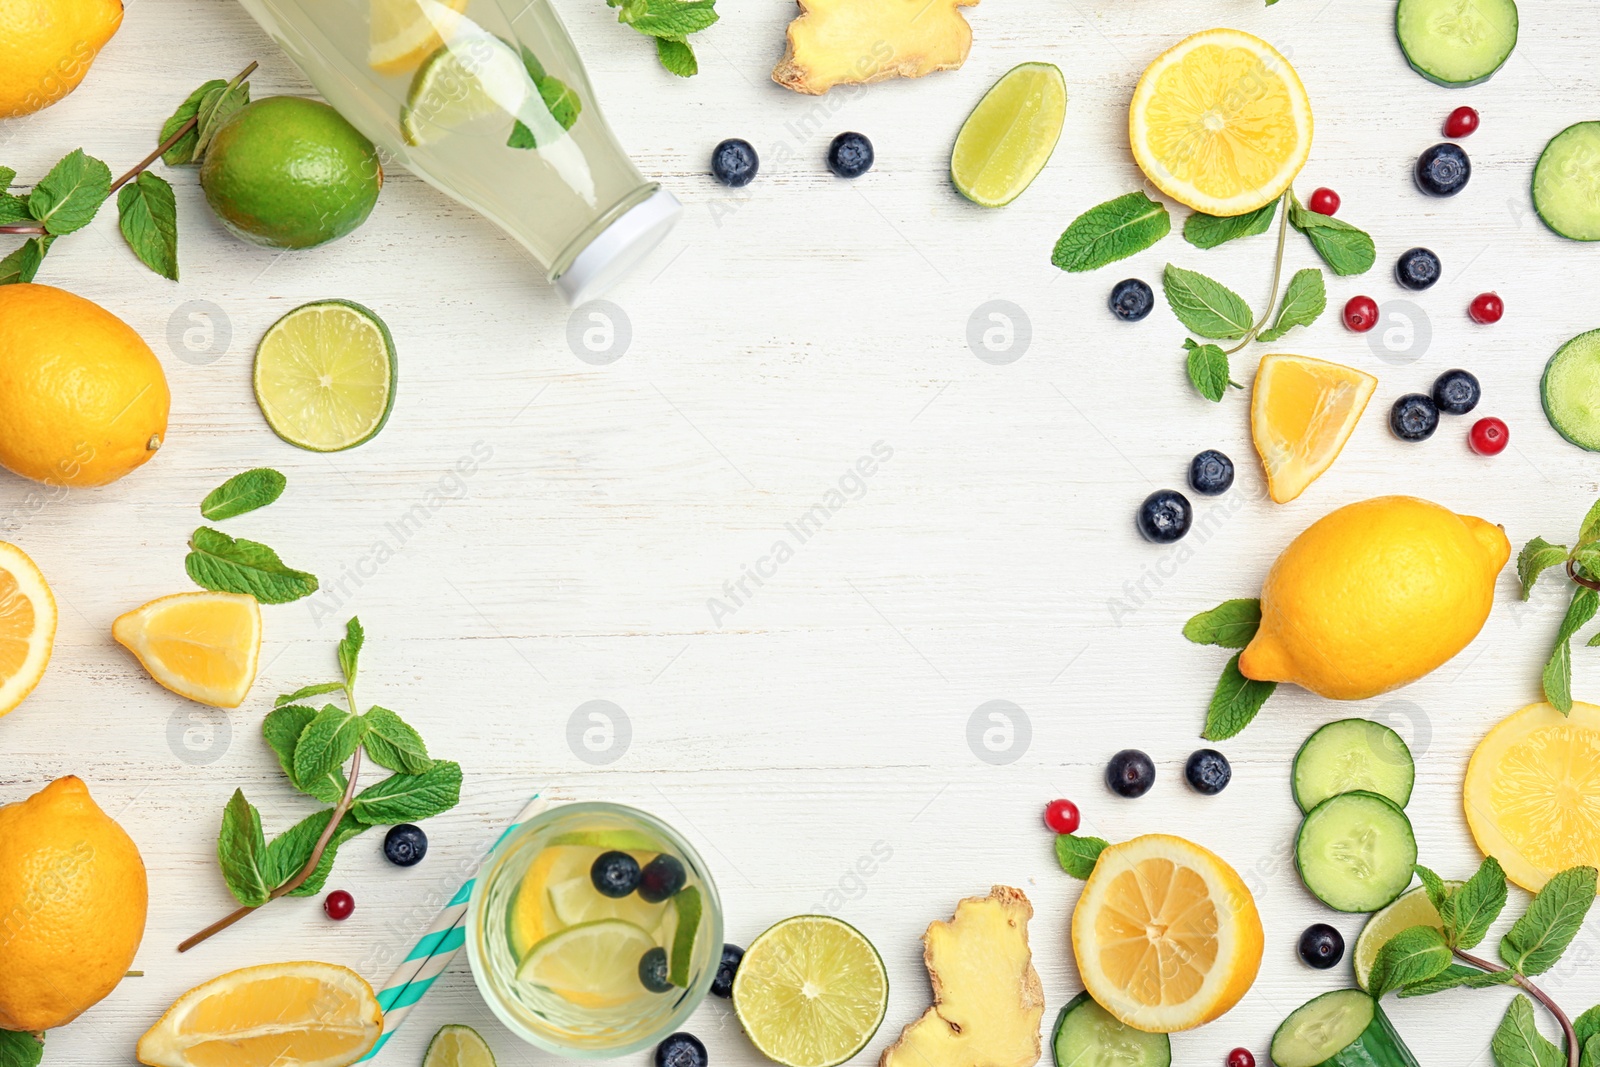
[987, 1000]
[852, 42]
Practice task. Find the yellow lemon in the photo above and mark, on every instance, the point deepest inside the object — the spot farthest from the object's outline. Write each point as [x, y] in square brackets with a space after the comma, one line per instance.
[1220, 122]
[204, 646]
[1532, 792]
[1166, 934]
[1302, 411]
[83, 400]
[46, 47]
[27, 626]
[73, 895]
[1375, 595]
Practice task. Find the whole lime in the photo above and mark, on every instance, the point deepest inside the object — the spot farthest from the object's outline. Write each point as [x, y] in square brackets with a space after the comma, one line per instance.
[287, 172]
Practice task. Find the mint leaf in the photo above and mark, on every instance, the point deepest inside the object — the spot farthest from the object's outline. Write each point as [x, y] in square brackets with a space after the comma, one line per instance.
[1477, 904]
[222, 564]
[1558, 672]
[410, 797]
[13, 208]
[183, 149]
[243, 493]
[326, 743]
[1231, 624]
[1209, 231]
[1590, 1056]
[147, 215]
[1111, 231]
[1518, 1042]
[1536, 557]
[350, 649]
[23, 262]
[1208, 370]
[316, 690]
[677, 57]
[1205, 306]
[1077, 855]
[1414, 955]
[1438, 894]
[217, 106]
[1304, 300]
[68, 197]
[1454, 976]
[282, 728]
[1586, 559]
[393, 744]
[1344, 248]
[18, 1049]
[1590, 530]
[558, 98]
[670, 18]
[239, 851]
[290, 851]
[1234, 703]
[1536, 941]
[1586, 1026]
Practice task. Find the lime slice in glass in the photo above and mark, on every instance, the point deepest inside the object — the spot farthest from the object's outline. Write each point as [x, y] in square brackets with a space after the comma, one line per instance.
[1409, 909]
[592, 965]
[1009, 136]
[688, 905]
[458, 1046]
[473, 78]
[576, 900]
[325, 375]
[622, 840]
[811, 992]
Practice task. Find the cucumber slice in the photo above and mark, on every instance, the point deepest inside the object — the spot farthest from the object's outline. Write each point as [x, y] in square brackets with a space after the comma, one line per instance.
[1355, 851]
[1456, 43]
[1566, 182]
[1352, 754]
[1345, 1028]
[1570, 390]
[1087, 1035]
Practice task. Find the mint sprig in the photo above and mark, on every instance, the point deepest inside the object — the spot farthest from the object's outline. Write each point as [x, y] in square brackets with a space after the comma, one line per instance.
[234, 565]
[1114, 230]
[669, 22]
[1582, 565]
[243, 493]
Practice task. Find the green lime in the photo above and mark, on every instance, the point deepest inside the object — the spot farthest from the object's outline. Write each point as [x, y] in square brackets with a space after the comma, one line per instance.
[591, 965]
[472, 78]
[325, 375]
[686, 902]
[287, 172]
[458, 1046]
[811, 992]
[621, 840]
[1409, 909]
[1009, 136]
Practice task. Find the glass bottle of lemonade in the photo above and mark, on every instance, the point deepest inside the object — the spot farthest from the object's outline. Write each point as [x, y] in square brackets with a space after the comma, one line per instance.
[487, 101]
[594, 930]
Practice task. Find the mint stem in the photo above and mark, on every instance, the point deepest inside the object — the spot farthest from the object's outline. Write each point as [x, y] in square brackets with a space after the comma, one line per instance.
[1277, 275]
[1571, 1038]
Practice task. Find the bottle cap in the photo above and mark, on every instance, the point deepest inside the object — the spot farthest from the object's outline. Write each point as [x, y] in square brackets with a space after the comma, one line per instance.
[618, 248]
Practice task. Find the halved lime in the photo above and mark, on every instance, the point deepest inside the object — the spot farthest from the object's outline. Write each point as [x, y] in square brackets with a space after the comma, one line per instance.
[1009, 136]
[472, 78]
[1409, 909]
[325, 375]
[458, 1046]
[592, 965]
[576, 900]
[811, 992]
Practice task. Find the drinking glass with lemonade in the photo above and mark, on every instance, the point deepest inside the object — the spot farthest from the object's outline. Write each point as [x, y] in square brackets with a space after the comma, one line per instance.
[594, 930]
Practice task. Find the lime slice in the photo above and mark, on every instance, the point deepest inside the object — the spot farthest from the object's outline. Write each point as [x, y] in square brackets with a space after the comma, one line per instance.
[473, 78]
[625, 840]
[686, 902]
[811, 992]
[1409, 909]
[325, 375]
[458, 1046]
[592, 965]
[576, 900]
[1009, 136]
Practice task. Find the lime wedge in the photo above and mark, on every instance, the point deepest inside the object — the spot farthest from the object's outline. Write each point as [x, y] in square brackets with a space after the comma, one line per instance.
[458, 1046]
[1009, 136]
[576, 900]
[811, 992]
[686, 902]
[325, 375]
[1409, 909]
[592, 965]
[473, 78]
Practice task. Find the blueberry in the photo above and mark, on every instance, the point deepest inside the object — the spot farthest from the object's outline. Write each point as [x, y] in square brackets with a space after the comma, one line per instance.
[1210, 473]
[734, 162]
[405, 845]
[850, 155]
[1321, 946]
[653, 971]
[722, 984]
[614, 874]
[1131, 300]
[1208, 771]
[1456, 392]
[1417, 268]
[681, 1050]
[1130, 773]
[661, 878]
[1165, 516]
[1443, 170]
[1414, 417]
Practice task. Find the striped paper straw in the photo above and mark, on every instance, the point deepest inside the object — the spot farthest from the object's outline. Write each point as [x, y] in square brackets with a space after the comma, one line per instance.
[436, 948]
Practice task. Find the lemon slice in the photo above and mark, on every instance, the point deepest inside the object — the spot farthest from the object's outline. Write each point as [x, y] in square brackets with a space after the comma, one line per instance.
[1412, 908]
[458, 1046]
[27, 626]
[471, 79]
[204, 646]
[811, 992]
[1302, 411]
[1009, 136]
[325, 376]
[1220, 122]
[402, 33]
[592, 965]
[576, 900]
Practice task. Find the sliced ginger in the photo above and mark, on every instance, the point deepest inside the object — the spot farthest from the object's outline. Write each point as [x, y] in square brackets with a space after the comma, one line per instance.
[851, 42]
[987, 1000]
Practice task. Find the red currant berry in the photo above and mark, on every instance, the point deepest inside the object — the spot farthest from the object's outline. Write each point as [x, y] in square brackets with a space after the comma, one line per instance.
[1241, 1057]
[1489, 437]
[1061, 816]
[1462, 121]
[1486, 308]
[1361, 313]
[339, 904]
[1324, 201]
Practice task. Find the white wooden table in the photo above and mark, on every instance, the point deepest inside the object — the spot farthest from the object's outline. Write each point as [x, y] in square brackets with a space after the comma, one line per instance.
[780, 334]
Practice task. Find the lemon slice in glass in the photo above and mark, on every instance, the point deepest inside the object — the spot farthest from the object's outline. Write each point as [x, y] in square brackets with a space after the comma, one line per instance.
[325, 376]
[458, 1046]
[474, 78]
[1009, 136]
[592, 965]
[576, 900]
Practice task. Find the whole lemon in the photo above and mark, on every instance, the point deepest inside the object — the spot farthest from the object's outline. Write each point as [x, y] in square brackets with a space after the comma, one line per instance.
[83, 400]
[46, 47]
[73, 896]
[1373, 596]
